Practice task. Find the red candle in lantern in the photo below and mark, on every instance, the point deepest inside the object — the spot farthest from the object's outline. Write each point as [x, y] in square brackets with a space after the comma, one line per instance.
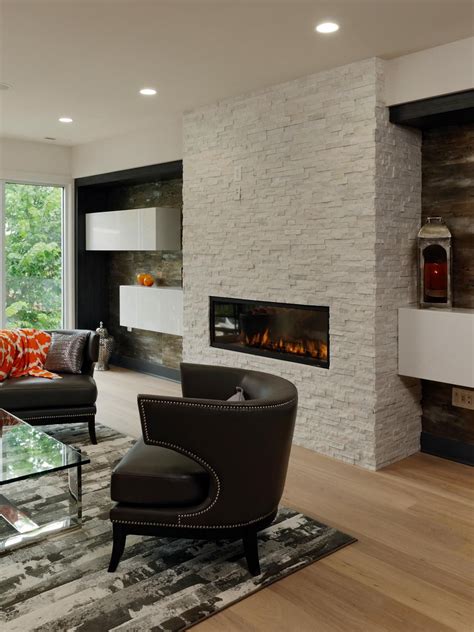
[436, 279]
[434, 258]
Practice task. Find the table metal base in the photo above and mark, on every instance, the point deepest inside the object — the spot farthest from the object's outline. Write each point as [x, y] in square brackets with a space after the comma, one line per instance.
[28, 530]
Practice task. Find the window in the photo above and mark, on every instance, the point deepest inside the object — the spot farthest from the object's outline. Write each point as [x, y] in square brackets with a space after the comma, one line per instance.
[33, 219]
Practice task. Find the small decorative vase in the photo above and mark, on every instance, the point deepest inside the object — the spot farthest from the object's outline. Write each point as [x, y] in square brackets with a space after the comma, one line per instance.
[106, 345]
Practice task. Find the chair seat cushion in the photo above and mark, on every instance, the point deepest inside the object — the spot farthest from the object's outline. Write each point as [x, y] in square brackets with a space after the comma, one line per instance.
[26, 393]
[156, 476]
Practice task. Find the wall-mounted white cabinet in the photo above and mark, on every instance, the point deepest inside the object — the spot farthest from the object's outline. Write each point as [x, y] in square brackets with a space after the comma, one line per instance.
[152, 308]
[437, 344]
[156, 228]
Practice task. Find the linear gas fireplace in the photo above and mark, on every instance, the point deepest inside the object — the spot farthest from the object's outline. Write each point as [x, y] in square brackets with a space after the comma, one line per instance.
[298, 333]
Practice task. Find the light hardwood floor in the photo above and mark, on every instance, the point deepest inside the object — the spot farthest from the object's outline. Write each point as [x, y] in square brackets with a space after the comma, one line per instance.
[411, 569]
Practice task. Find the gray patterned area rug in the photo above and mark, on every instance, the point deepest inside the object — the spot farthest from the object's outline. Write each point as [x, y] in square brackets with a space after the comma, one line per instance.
[62, 584]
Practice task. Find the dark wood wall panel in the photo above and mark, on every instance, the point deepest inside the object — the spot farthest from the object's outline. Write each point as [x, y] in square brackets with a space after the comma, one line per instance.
[448, 190]
[151, 346]
[99, 274]
[91, 267]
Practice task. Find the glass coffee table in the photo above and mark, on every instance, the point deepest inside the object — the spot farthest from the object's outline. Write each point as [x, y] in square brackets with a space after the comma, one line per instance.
[27, 453]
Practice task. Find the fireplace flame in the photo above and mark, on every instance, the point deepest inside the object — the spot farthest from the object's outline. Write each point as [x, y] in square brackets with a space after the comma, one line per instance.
[303, 347]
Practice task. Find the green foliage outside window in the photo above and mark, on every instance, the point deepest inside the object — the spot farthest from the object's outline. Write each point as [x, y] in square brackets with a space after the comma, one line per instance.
[33, 262]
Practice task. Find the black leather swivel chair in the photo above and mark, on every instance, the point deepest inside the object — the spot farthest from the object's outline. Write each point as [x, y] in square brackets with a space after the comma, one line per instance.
[207, 467]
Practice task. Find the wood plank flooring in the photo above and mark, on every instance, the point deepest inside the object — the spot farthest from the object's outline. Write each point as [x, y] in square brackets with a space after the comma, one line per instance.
[412, 568]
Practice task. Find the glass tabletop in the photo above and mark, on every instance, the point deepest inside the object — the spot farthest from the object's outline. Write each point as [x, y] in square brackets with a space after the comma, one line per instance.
[26, 451]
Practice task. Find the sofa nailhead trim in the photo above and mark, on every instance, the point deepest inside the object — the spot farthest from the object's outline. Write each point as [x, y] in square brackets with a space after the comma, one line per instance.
[58, 416]
[184, 526]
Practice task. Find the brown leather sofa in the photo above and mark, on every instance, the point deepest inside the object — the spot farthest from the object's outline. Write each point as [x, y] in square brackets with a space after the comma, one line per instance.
[207, 467]
[68, 400]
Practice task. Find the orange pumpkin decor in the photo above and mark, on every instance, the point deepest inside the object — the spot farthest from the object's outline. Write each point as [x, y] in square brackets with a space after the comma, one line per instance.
[145, 279]
[148, 280]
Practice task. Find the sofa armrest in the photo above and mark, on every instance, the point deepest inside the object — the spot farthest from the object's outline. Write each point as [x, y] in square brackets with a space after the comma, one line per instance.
[91, 353]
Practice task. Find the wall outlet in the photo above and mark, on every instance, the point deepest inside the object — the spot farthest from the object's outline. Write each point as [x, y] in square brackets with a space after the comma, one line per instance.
[237, 174]
[463, 398]
[237, 193]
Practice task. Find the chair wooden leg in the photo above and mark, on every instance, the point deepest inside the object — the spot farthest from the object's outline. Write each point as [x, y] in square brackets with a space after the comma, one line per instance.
[120, 537]
[92, 430]
[251, 552]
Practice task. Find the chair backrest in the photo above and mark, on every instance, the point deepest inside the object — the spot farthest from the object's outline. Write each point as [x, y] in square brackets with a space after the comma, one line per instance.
[219, 382]
[259, 430]
[91, 348]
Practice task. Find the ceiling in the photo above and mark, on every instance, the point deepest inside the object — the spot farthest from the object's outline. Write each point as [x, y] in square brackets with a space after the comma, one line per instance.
[87, 60]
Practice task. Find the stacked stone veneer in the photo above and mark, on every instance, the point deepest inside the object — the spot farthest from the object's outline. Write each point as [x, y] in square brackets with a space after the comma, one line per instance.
[329, 209]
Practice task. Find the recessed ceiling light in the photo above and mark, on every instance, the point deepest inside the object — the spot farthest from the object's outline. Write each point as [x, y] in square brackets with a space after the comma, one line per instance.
[148, 92]
[327, 27]
[65, 119]
[5, 86]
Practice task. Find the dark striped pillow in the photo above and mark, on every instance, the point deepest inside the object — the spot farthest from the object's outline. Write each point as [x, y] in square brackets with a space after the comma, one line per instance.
[66, 353]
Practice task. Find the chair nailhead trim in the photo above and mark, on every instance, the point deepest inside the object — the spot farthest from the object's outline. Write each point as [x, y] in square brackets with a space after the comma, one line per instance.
[177, 402]
[185, 526]
[197, 458]
[193, 456]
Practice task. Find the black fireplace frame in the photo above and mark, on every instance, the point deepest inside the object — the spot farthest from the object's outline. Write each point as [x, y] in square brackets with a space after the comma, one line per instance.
[287, 357]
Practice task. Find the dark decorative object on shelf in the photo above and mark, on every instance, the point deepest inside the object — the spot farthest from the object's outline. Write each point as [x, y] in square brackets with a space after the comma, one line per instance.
[435, 263]
[106, 345]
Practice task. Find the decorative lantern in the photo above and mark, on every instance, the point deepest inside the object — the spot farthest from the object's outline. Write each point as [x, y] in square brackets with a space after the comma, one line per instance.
[435, 258]
[106, 344]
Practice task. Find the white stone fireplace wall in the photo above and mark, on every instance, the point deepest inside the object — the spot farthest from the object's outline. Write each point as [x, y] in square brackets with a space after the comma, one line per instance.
[329, 209]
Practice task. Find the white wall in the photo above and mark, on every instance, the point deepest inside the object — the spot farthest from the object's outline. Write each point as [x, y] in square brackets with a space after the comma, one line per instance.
[330, 207]
[33, 161]
[161, 143]
[430, 72]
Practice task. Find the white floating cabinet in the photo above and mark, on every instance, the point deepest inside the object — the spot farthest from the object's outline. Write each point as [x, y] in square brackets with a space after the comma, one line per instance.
[437, 344]
[155, 228]
[152, 308]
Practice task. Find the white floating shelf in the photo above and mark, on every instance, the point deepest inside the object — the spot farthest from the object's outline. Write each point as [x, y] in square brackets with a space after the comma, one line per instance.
[437, 344]
[155, 228]
[152, 308]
